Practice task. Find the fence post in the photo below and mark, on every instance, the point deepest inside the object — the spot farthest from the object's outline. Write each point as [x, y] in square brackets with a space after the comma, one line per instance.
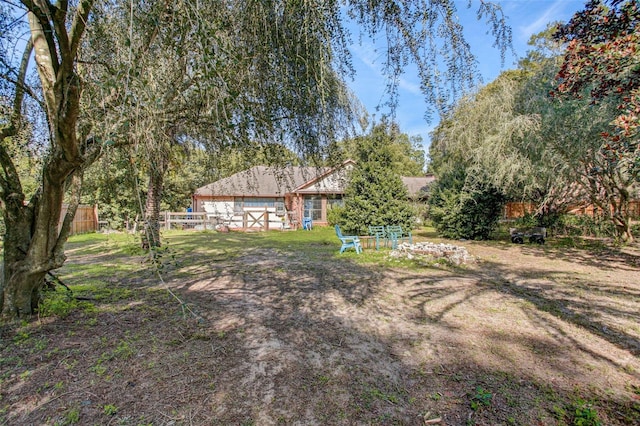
[96, 222]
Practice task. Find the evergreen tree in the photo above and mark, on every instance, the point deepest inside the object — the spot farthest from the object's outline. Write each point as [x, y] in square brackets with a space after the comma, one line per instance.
[375, 194]
[407, 153]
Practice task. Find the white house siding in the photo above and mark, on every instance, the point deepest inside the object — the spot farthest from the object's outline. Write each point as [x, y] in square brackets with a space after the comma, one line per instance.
[219, 209]
[332, 183]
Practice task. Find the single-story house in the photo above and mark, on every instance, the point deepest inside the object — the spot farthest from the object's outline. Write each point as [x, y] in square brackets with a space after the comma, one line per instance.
[271, 197]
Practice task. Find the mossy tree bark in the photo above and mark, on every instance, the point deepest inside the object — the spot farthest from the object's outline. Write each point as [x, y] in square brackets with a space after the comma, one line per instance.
[34, 241]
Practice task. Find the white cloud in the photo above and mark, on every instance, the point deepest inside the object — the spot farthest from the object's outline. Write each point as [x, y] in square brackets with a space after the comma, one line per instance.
[368, 55]
[409, 86]
[552, 13]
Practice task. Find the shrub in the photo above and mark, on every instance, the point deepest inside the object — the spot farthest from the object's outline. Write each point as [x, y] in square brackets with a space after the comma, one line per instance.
[582, 225]
[460, 214]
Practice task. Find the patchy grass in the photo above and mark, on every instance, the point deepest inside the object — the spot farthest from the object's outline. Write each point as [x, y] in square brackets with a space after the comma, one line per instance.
[279, 328]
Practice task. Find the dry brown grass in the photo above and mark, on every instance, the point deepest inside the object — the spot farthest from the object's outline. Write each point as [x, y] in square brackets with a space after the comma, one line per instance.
[288, 333]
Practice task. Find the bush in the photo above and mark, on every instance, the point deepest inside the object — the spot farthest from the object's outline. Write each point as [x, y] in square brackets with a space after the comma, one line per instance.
[581, 225]
[460, 214]
[527, 221]
[360, 212]
[334, 215]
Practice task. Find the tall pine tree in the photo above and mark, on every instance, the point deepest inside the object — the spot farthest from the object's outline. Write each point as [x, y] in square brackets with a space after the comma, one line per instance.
[375, 194]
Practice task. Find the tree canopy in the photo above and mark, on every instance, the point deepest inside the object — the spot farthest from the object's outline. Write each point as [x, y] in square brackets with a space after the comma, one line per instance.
[560, 130]
[602, 65]
[116, 73]
[407, 153]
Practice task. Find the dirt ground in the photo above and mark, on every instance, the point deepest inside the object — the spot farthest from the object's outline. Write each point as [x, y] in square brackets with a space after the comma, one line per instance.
[526, 335]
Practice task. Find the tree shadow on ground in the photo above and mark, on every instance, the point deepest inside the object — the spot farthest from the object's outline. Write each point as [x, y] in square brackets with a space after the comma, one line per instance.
[606, 310]
[292, 337]
[300, 302]
[593, 253]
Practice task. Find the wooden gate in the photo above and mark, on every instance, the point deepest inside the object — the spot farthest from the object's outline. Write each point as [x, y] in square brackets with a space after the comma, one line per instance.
[256, 220]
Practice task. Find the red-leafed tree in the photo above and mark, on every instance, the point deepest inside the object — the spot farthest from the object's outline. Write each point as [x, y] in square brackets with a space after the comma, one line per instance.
[602, 63]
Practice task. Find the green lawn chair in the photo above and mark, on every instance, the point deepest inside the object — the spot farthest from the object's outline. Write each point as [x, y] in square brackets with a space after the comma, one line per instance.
[380, 234]
[395, 234]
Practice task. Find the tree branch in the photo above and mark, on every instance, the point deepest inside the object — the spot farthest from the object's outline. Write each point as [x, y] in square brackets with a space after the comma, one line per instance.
[59, 23]
[40, 21]
[20, 85]
[79, 24]
[12, 188]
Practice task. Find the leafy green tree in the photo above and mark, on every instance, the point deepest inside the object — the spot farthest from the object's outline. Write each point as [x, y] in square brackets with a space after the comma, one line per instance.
[180, 88]
[461, 204]
[566, 143]
[466, 214]
[512, 137]
[476, 161]
[375, 193]
[274, 72]
[407, 153]
[546, 144]
[111, 185]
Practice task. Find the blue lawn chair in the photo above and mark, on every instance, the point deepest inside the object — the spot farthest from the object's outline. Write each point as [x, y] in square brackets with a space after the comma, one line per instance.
[307, 223]
[348, 241]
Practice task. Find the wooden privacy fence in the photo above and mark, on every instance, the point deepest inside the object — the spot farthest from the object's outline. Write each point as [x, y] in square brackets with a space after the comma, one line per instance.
[514, 210]
[85, 220]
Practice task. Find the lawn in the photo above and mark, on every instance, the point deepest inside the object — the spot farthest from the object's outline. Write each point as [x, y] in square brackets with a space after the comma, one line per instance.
[279, 328]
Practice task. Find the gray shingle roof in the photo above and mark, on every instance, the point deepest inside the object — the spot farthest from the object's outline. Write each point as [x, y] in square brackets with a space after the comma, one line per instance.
[418, 186]
[262, 181]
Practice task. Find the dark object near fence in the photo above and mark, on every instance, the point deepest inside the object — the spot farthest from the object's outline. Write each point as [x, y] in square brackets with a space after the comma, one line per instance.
[535, 235]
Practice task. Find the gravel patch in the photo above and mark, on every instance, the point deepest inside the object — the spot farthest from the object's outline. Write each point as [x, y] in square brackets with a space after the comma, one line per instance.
[453, 254]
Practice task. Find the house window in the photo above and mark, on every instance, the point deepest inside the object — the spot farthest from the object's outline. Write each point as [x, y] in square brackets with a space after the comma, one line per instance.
[334, 200]
[313, 207]
[241, 203]
[238, 206]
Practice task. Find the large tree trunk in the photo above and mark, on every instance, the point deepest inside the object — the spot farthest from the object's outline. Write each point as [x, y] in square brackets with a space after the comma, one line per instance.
[34, 241]
[16, 243]
[32, 248]
[621, 218]
[151, 235]
[610, 191]
[623, 230]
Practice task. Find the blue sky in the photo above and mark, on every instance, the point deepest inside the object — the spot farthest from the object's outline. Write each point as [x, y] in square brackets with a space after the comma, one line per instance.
[526, 17]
